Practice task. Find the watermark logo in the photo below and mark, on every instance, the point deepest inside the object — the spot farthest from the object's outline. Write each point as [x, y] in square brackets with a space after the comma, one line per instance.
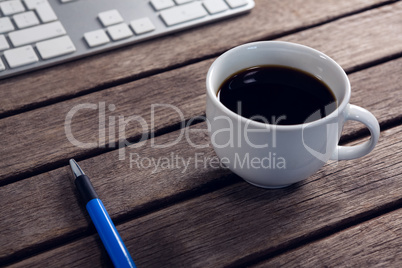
[112, 133]
[120, 123]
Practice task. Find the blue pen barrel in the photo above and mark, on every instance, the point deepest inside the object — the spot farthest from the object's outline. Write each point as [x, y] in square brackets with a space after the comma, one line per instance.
[108, 233]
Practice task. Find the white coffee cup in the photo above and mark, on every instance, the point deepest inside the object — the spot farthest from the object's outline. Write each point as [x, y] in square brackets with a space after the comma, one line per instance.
[274, 156]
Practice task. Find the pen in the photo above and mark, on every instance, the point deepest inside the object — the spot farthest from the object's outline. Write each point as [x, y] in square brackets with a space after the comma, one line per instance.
[103, 223]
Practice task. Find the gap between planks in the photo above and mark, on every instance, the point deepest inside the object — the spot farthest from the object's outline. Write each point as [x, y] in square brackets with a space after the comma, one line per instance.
[319, 235]
[373, 242]
[358, 80]
[349, 201]
[369, 76]
[132, 77]
[385, 15]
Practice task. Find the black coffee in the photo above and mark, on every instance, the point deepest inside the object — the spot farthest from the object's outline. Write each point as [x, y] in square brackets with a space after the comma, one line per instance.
[277, 95]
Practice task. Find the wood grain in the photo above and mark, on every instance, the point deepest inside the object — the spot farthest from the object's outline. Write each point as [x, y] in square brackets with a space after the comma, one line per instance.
[135, 188]
[242, 221]
[351, 41]
[42, 211]
[375, 243]
[269, 18]
[43, 142]
[372, 92]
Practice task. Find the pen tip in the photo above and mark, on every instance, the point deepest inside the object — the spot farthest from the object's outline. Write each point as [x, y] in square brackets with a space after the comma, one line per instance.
[75, 169]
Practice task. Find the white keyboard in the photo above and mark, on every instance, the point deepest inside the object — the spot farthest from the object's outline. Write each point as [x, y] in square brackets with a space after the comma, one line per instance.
[39, 33]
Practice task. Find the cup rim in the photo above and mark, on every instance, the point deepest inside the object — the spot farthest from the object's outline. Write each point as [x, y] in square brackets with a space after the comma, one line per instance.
[334, 114]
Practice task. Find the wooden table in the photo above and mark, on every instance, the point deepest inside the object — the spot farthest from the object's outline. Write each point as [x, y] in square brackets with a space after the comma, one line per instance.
[347, 214]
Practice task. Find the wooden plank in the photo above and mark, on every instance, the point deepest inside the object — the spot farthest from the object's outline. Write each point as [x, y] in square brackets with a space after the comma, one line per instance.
[269, 18]
[379, 96]
[47, 207]
[376, 243]
[44, 131]
[239, 221]
[342, 43]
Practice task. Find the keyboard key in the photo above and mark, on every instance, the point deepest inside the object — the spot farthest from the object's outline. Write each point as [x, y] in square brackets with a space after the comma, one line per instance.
[180, 2]
[3, 43]
[11, 7]
[119, 31]
[96, 38]
[55, 47]
[143, 25]
[36, 22]
[183, 13]
[36, 33]
[2, 66]
[162, 4]
[110, 17]
[215, 6]
[236, 3]
[20, 56]
[26, 19]
[6, 25]
[43, 8]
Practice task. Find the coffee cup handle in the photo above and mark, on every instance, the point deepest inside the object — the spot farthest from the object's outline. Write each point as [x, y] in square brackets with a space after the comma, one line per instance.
[356, 113]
